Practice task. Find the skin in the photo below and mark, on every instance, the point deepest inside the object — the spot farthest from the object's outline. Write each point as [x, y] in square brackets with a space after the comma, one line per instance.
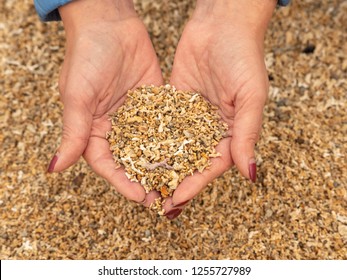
[106, 44]
[108, 51]
[221, 55]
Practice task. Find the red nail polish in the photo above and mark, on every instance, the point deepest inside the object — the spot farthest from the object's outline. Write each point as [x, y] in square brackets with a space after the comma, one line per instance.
[181, 204]
[173, 214]
[252, 171]
[52, 164]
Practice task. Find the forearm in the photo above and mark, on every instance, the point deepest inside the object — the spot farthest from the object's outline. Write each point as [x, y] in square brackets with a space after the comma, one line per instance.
[254, 15]
[80, 13]
[50, 10]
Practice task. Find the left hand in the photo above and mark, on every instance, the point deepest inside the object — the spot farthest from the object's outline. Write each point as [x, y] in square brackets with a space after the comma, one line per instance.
[220, 54]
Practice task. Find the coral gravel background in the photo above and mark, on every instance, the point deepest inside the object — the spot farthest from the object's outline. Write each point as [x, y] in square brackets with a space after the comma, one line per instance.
[296, 210]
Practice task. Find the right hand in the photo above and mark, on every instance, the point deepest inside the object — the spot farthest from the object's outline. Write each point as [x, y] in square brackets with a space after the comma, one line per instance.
[108, 51]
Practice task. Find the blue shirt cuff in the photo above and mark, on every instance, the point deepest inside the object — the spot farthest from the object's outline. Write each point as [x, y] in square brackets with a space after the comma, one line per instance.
[283, 2]
[48, 9]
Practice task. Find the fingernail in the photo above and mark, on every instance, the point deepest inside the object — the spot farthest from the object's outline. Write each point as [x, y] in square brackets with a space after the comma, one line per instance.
[139, 202]
[252, 168]
[180, 204]
[52, 164]
[173, 214]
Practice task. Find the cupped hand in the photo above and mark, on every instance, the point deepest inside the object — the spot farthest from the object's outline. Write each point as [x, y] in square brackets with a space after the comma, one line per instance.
[220, 54]
[108, 51]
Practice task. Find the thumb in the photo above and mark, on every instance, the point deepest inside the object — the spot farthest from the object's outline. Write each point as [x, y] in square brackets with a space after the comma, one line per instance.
[77, 122]
[245, 133]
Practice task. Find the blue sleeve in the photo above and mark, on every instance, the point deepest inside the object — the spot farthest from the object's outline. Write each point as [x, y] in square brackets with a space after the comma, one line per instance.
[283, 2]
[48, 9]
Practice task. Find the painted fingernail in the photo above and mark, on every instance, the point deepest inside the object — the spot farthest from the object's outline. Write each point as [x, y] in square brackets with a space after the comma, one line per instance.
[252, 168]
[52, 164]
[180, 204]
[173, 214]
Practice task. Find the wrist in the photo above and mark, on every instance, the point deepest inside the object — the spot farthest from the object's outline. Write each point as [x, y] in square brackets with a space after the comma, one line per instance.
[253, 15]
[79, 13]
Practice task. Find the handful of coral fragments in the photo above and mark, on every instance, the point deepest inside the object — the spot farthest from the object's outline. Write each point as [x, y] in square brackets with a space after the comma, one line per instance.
[160, 135]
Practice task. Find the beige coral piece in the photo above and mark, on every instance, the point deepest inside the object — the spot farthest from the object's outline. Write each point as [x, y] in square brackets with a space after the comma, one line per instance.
[161, 135]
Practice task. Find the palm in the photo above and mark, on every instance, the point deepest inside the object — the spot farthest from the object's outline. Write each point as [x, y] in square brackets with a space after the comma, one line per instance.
[228, 69]
[98, 70]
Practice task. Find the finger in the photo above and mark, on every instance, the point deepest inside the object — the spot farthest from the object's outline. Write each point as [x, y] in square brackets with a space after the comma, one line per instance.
[77, 121]
[99, 157]
[150, 198]
[192, 185]
[245, 133]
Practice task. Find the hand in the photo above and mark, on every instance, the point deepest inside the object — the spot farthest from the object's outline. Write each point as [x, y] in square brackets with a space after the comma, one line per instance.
[220, 54]
[108, 51]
